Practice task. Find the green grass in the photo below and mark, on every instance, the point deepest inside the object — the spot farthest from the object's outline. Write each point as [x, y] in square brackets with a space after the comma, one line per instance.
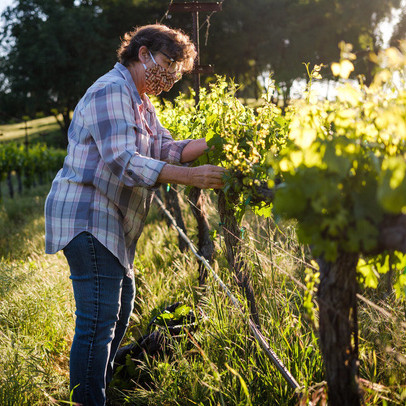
[36, 307]
[221, 364]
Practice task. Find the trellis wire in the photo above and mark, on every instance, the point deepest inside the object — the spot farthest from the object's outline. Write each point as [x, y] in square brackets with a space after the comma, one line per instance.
[166, 13]
[207, 21]
[254, 329]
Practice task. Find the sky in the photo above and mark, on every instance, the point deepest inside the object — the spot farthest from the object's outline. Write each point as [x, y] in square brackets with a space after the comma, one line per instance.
[387, 26]
[4, 4]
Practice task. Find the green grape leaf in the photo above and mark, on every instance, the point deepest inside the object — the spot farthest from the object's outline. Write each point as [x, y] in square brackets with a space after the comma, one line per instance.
[399, 260]
[265, 211]
[400, 285]
[368, 273]
[392, 185]
[336, 163]
[382, 264]
[181, 311]
[289, 200]
[163, 318]
[209, 135]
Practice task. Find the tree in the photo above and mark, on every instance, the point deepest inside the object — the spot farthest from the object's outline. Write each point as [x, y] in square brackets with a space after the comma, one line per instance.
[54, 50]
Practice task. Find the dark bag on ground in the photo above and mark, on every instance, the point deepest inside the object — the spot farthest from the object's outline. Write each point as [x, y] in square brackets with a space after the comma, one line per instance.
[130, 363]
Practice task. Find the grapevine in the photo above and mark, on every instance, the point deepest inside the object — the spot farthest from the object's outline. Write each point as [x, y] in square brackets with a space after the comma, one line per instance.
[337, 168]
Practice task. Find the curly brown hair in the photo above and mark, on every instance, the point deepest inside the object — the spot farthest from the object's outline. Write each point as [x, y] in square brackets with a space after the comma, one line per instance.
[157, 37]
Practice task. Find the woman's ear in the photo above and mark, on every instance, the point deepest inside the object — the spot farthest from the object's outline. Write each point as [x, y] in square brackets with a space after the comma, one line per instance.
[143, 54]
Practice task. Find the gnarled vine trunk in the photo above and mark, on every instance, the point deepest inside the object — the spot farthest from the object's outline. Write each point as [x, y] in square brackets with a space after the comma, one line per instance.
[172, 203]
[205, 243]
[338, 329]
[236, 263]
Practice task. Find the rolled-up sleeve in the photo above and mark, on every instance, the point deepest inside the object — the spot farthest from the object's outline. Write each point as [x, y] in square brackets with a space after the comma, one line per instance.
[171, 150]
[110, 118]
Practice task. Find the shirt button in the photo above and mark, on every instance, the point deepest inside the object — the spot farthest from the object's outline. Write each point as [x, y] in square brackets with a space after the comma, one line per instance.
[130, 172]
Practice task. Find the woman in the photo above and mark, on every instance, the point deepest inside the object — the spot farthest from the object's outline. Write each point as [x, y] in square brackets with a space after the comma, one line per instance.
[118, 153]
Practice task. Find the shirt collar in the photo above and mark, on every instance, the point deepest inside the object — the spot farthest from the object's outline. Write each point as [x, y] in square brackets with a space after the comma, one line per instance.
[127, 76]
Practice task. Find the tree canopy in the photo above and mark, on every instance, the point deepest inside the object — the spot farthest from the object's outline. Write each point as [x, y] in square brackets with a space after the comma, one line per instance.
[55, 49]
[248, 38]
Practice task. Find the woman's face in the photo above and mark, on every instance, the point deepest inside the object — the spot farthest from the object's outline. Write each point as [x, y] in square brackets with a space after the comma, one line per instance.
[172, 66]
[161, 72]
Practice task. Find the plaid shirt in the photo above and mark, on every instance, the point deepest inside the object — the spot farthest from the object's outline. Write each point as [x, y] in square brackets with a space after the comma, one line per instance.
[115, 154]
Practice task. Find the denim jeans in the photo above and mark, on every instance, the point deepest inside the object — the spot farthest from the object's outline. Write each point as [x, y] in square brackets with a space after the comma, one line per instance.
[104, 294]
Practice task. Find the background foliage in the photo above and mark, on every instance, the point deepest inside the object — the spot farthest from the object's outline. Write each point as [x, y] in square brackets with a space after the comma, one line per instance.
[53, 50]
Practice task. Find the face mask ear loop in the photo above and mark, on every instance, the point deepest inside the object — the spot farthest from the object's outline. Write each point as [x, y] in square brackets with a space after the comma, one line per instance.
[153, 59]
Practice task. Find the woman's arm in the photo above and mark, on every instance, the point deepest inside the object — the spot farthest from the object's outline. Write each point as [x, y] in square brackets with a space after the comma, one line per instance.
[193, 150]
[110, 119]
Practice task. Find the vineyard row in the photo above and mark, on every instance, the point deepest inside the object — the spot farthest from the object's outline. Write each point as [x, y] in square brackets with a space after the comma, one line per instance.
[30, 166]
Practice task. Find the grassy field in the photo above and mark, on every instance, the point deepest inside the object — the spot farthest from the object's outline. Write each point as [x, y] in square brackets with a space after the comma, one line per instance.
[44, 130]
[221, 364]
[36, 313]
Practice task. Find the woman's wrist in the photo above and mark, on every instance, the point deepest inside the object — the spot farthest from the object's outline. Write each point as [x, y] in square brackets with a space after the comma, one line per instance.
[204, 177]
[175, 174]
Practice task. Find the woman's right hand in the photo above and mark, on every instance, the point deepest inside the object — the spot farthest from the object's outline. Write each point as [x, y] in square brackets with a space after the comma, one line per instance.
[206, 177]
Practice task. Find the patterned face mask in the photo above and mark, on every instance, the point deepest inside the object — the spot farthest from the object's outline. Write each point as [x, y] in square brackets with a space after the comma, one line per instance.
[158, 79]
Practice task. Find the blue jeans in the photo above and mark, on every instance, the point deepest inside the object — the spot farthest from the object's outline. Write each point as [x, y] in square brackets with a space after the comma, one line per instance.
[104, 293]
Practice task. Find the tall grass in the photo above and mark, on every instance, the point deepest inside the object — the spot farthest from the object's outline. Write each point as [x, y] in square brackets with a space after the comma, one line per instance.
[222, 364]
[36, 312]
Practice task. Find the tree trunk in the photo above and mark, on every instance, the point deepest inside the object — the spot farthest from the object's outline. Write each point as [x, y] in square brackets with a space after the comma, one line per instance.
[236, 263]
[172, 203]
[64, 125]
[338, 329]
[205, 244]
[66, 120]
